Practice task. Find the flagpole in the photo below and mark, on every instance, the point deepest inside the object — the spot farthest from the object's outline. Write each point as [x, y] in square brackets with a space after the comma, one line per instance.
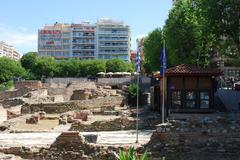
[137, 106]
[163, 87]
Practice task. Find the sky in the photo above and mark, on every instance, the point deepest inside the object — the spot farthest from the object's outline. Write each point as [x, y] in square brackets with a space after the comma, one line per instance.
[21, 19]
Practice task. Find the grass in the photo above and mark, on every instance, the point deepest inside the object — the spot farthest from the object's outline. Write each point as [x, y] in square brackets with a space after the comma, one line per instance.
[6, 86]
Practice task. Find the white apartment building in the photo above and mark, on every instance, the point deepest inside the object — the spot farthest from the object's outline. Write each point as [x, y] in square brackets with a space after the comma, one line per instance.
[113, 40]
[83, 41]
[106, 39]
[55, 40]
[7, 50]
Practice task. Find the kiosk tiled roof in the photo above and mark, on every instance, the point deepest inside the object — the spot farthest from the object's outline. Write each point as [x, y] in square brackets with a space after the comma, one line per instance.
[190, 70]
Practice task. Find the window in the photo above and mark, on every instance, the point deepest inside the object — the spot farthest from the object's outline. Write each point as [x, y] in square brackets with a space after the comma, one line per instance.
[66, 40]
[190, 99]
[176, 99]
[204, 99]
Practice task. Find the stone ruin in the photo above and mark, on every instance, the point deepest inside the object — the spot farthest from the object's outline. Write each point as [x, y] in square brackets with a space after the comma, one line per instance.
[32, 120]
[71, 145]
[206, 138]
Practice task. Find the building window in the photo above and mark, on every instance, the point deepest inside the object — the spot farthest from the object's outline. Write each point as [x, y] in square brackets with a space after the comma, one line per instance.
[190, 99]
[176, 99]
[204, 100]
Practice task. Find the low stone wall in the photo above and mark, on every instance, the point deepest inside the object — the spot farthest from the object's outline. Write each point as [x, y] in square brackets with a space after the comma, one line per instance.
[197, 146]
[114, 81]
[11, 102]
[13, 94]
[56, 91]
[206, 139]
[66, 80]
[122, 123]
[28, 84]
[62, 107]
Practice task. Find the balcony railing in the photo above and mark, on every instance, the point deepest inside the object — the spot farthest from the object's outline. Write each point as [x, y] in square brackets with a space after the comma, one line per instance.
[114, 46]
[111, 32]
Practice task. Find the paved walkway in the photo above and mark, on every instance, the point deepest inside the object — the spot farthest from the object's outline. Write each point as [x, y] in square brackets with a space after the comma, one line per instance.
[46, 139]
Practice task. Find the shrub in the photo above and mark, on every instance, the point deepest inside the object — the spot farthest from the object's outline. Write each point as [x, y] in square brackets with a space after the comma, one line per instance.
[131, 155]
[132, 94]
[6, 86]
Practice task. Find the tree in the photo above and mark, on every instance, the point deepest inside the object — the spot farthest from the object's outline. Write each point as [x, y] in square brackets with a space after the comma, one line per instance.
[183, 34]
[116, 65]
[222, 20]
[9, 69]
[69, 68]
[92, 67]
[29, 60]
[45, 66]
[152, 50]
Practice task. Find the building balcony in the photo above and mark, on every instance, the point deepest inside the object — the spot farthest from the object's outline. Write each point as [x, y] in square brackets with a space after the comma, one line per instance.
[83, 49]
[114, 46]
[113, 39]
[90, 43]
[115, 53]
[92, 36]
[109, 32]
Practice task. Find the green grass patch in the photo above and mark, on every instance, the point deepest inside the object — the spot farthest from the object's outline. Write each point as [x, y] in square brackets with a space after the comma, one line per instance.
[6, 85]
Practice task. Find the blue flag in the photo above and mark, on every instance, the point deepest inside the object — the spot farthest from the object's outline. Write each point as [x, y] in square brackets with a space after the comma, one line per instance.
[138, 62]
[163, 62]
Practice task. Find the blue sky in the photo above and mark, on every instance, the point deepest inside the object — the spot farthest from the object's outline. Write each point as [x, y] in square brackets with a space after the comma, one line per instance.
[20, 19]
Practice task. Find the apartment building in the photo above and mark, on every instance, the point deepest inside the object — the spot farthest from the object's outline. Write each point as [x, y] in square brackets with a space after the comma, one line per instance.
[113, 40]
[9, 51]
[55, 40]
[106, 39]
[83, 41]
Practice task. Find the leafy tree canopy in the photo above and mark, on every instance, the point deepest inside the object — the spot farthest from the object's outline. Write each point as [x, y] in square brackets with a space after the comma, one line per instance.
[28, 60]
[152, 49]
[9, 69]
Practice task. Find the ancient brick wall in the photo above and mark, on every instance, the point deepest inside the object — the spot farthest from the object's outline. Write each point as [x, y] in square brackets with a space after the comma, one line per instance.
[28, 84]
[70, 105]
[208, 139]
[13, 94]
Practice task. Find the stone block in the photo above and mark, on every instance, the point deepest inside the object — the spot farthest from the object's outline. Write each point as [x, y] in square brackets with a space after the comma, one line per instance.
[32, 120]
[83, 115]
[62, 121]
[115, 113]
[107, 108]
[70, 119]
[107, 87]
[42, 115]
[91, 138]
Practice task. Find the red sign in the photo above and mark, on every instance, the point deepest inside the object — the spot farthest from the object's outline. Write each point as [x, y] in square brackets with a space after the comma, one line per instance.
[50, 32]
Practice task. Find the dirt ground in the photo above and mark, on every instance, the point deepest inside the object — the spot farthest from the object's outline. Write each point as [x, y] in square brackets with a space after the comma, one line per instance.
[43, 125]
[19, 124]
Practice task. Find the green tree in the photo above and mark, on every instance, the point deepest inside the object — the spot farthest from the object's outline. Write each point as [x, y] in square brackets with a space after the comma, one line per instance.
[9, 69]
[197, 29]
[45, 66]
[116, 65]
[29, 60]
[92, 67]
[152, 50]
[69, 68]
[223, 22]
[182, 33]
